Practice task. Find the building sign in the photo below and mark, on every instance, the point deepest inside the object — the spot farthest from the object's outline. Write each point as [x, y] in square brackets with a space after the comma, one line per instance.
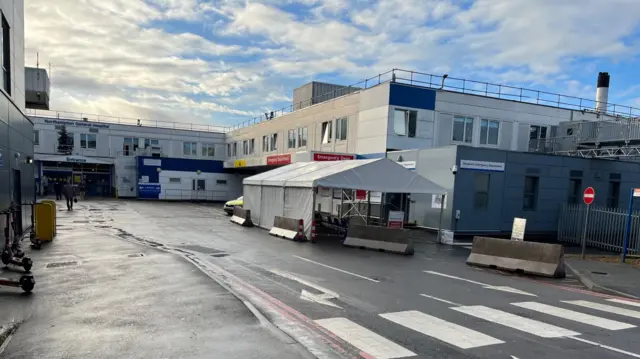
[396, 219]
[152, 162]
[279, 160]
[240, 163]
[76, 159]
[149, 190]
[361, 195]
[76, 123]
[410, 165]
[517, 232]
[482, 165]
[332, 157]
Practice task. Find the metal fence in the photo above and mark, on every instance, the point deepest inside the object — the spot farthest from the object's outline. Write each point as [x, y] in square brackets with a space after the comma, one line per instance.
[194, 195]
[605, 227]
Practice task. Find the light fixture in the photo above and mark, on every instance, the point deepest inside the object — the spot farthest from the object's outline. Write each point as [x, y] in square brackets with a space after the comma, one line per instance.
[159, 169]
[198, 172]
[29, 160]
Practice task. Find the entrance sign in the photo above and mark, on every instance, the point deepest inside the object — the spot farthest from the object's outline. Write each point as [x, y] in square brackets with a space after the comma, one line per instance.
[396, 219]
[589, 195]
[517, 232]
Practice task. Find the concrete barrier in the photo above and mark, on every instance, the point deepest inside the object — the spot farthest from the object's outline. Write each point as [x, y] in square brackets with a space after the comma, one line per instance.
[379, 238]
[242, 217]
[542, 259]
[289, 228]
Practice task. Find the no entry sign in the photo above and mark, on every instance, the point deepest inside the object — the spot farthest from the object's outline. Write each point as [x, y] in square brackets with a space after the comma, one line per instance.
[589, 195]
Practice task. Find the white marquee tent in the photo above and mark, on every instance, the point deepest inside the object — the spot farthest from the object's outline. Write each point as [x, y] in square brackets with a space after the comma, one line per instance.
[289, 191]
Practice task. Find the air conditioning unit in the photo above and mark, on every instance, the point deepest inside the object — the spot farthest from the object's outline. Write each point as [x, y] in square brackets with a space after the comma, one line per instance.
[155, 150]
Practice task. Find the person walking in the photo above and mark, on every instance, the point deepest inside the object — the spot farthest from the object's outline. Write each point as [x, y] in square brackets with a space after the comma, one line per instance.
[57, 187]
[83, 189]
[69, 191]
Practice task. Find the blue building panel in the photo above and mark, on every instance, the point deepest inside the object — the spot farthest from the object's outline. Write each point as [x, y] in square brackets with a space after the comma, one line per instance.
[412, 96]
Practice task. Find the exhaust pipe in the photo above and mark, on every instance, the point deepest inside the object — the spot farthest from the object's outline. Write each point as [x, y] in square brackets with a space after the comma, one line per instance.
[602, 92]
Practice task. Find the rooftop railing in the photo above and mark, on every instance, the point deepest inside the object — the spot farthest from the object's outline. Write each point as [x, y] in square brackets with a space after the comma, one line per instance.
[416, 78]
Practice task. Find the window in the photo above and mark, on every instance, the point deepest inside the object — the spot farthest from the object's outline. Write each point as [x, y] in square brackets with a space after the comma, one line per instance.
[174, 180]
[222, 182]
[405, 122]
[6, 55]
[326, 132]
[150, 142]
[575, 191]
[530, 193]
[489, 132]
[291, 139]
[234, 149]
[189, 148]
[198, 185]
[302, 136]
[208, 150]
[274, 142]
[88, 140]
[129, 146]
[265, 143]
[342, 128]
[537, 132]
[463, 129]
[252, 145]
[481, 199]
[245, 147]
[36, 138]
[613, 194]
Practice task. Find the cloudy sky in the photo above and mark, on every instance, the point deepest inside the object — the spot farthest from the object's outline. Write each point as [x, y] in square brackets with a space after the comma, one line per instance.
[224, 61]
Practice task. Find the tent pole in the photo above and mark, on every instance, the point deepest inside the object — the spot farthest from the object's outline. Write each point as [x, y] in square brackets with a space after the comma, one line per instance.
[442, 198]
[368, 206]
[341, 203]
[313, 208]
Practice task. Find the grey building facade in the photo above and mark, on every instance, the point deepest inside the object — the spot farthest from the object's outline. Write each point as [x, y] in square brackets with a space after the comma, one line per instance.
[487, 188]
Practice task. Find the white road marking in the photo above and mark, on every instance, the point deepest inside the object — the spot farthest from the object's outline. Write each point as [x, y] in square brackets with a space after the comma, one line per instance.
[447, 332]
[338, 269]
[606, 347]
[440, 300]
[526, 325]
[501, 288]
[364, 339]
[575, 316]
[605, 308]
[627, 302]
[322, 298]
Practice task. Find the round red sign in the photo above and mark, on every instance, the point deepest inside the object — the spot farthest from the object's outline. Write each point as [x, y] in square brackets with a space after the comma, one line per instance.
[589, 195]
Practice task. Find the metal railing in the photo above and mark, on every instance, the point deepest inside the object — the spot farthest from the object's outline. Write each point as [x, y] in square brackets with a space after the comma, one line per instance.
[605, 230]
[78, 116]
[193, 195]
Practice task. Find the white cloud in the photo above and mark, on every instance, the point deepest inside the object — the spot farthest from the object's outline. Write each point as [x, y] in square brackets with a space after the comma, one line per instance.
[219, 60]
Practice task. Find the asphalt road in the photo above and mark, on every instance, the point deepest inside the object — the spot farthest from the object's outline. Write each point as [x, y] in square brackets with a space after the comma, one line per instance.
[346, 302]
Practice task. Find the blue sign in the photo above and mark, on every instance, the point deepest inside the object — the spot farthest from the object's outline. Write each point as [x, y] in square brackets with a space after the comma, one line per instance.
[149, 190]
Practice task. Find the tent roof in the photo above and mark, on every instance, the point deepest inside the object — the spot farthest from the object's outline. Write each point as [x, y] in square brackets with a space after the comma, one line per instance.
[378, 175]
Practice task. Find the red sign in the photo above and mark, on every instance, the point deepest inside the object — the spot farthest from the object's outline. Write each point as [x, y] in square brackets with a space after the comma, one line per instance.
[589, 195]
[279, 160]
[361, 195]
[332, 157]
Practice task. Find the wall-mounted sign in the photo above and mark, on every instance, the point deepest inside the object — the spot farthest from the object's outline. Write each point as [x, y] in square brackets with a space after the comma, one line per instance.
[361, 195]
[410, 165]
[149, 190]
[152, 162]
[76, 159]
[437, 201]
[76, 123]
[482, 165]
[279, 160]
[396, 219]
[517, 232]
[239, 163]
[317, 156]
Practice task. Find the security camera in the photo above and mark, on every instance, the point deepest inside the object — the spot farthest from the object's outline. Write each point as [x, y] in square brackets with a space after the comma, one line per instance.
[454, 169]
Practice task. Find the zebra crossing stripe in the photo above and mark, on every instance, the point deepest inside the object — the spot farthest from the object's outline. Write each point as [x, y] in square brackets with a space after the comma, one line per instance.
[526, 325]
[364, 339]
[574, 316]
[605, 308]
[626, 302]
[440, 329]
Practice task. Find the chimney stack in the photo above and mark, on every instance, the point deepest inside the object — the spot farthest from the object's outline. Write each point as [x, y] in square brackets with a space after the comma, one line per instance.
[602, 93]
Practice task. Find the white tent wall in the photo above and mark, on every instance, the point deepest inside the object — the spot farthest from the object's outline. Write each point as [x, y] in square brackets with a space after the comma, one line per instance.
[298, 204]
[252, 201]
[271, 205]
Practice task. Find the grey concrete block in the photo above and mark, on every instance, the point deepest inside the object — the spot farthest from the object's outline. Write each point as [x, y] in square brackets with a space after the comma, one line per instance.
[379, 238]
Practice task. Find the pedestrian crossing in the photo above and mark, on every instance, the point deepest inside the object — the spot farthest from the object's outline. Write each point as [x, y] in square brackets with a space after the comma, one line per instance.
[455, 334]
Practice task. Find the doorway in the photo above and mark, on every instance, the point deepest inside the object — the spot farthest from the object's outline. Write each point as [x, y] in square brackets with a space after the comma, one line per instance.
[17, 201]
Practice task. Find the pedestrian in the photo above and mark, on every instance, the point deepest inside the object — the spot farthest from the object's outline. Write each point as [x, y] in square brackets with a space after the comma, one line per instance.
[83, 189]
[57, 187]
[69, 191]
